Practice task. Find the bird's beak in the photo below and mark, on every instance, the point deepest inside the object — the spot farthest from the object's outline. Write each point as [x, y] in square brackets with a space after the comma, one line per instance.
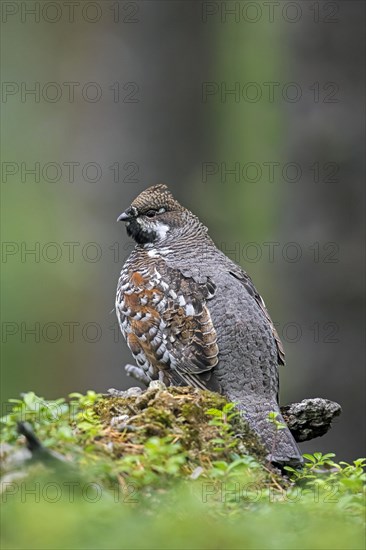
[123, 217]
[126, 215]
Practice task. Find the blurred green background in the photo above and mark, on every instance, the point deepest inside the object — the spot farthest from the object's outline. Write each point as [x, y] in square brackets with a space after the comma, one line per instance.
[149, 105]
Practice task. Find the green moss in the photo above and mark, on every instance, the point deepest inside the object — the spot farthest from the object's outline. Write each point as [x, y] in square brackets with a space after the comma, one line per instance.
[182, 459]
[178, 413]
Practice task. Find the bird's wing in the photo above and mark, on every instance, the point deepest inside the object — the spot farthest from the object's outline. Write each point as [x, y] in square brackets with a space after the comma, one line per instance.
[188, 323]
[170, 325]
[244, 278]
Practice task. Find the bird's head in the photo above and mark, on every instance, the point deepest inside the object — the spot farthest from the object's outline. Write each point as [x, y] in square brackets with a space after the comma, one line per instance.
[155, 216]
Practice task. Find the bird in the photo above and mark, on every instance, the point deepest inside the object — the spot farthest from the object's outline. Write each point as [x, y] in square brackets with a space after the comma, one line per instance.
[191, 316]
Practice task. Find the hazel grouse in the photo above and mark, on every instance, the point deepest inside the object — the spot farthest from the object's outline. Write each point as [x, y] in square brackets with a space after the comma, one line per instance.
[191, 316]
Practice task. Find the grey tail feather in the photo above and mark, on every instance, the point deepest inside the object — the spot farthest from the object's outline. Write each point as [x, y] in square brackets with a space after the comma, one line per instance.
[280, 443]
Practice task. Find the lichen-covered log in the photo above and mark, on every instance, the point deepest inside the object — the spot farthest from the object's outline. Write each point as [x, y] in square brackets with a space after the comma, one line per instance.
[306, 420]
[310, 418]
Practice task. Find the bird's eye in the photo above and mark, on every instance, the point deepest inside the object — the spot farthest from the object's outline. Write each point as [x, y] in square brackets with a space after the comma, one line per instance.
[151, 213]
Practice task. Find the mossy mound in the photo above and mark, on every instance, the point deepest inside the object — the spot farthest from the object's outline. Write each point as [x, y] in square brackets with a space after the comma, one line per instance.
[155, 438]
[187, 416]
[165, 468]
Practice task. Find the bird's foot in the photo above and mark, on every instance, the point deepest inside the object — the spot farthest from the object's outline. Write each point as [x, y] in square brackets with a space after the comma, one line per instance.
[138, 374]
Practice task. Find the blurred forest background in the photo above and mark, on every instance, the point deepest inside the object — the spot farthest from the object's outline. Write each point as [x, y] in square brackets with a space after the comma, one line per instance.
[128, 94]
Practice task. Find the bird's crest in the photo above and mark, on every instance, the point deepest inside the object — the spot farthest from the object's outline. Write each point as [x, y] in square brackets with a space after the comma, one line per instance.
[156, 197]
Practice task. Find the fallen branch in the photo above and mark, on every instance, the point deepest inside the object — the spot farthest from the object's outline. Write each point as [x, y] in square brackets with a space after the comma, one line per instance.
[306, 420]
[310, 418]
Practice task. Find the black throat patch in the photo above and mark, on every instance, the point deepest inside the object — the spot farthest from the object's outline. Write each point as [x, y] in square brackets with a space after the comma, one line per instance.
[140, 235]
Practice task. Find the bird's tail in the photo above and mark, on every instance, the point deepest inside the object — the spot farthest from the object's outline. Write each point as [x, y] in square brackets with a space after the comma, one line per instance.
[271, 428]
